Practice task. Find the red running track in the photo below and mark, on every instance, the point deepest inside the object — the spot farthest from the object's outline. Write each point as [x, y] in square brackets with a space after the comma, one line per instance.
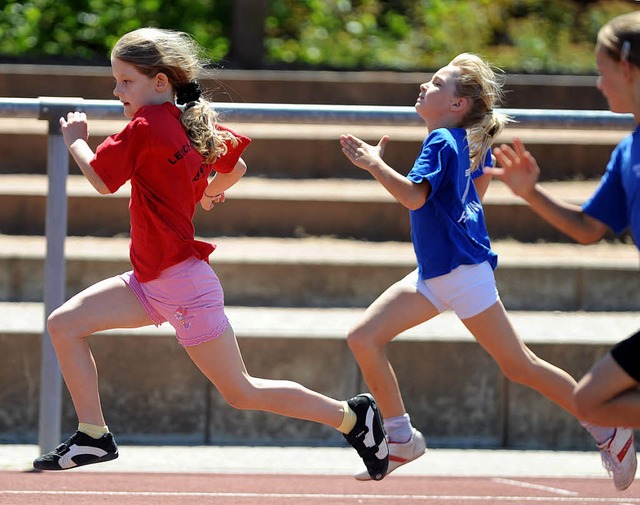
[85, 488]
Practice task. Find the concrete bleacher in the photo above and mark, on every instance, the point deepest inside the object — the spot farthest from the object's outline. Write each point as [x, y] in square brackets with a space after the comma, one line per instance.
[305, 242]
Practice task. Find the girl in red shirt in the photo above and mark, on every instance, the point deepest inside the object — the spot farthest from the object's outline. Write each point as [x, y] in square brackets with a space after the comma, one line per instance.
[167, 155]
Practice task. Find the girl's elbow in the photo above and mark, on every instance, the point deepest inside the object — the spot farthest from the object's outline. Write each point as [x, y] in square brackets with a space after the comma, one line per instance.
[588, 238]
[415, 203]
[241, 168]
[416, 200]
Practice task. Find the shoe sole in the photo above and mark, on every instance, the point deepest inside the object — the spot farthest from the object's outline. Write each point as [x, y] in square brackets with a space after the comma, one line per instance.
[103, 459]
[393, 465]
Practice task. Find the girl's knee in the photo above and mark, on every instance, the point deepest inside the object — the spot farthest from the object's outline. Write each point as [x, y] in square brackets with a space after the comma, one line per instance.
[360, 341]
[584, 402]
[57, 324]
[517, 370]
[243, 397]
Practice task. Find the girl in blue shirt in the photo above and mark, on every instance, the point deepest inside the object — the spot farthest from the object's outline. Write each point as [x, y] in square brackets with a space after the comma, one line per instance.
[608, 394]
[443, 191]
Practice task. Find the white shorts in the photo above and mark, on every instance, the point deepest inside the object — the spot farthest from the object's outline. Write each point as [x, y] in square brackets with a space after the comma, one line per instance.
[468, 290]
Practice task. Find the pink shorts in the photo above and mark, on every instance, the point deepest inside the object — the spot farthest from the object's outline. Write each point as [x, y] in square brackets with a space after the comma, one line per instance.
[187, 295]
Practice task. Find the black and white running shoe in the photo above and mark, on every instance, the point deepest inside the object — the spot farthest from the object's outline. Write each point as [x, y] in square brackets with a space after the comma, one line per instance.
[368, 437]
[79, 450]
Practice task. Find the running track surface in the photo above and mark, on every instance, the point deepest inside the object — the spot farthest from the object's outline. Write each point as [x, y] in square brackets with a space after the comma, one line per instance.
[86, 488]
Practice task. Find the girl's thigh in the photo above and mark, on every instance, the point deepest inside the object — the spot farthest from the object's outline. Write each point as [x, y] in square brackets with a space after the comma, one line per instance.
[493, 330]
[399, 308]
[107, 304]
[605, 380]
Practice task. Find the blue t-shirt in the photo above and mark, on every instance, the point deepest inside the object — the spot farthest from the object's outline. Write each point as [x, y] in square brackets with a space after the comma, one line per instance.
[616, 202]
[449, 229]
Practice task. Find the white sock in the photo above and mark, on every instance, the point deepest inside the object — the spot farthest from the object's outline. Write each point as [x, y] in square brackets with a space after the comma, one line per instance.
[398, 429]
[599, 433]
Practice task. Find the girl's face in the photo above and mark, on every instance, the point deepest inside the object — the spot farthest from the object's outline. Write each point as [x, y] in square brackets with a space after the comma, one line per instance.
[135, 90]
[437, 97]
[614, 82]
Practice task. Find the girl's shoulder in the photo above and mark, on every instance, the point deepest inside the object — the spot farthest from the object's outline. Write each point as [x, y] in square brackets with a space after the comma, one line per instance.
[154, 119]
[447, 135]
[443, 138]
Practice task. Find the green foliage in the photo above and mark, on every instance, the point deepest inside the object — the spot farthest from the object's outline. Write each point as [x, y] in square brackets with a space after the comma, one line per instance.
[87, 29]
[522, 35]
[518, 35]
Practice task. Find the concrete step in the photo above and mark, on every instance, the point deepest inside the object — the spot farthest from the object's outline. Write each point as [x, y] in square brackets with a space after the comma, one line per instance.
[305, 86]
[312, 150]
[452, 388]
[346, 208]
[329, 272]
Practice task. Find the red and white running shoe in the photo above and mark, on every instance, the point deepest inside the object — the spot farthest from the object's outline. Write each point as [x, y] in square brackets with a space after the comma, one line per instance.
[401, 454]
[618, 457]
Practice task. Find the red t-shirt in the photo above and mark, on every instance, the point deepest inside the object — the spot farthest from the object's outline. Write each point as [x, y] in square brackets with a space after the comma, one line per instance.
[168, 178]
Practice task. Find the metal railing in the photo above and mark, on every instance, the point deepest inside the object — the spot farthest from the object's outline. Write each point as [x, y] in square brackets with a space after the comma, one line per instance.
[51, 109]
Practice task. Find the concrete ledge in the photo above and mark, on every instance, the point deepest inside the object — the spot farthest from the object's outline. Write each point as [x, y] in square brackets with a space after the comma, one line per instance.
[345, 208]
[327, 272]
[313, 150]
[452, 389]
[330, 272]
[308, 86]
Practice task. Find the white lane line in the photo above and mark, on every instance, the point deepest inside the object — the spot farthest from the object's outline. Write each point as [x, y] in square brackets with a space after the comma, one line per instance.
[528, 485]
[360, 497]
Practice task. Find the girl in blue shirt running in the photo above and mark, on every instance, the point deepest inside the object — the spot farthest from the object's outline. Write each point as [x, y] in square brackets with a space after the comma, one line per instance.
[443, 192]
[608, 394]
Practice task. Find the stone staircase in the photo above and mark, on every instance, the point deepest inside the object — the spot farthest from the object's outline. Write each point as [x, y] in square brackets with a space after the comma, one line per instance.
[305, 242]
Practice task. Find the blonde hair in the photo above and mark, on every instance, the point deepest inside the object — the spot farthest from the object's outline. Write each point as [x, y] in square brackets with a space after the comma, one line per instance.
[477, 82]
[177, 55]
[620, 37]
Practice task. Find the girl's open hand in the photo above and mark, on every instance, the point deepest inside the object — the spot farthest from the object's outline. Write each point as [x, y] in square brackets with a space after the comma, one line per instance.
[360, 153]
[208, 203]
[74, 127]
[518, 168]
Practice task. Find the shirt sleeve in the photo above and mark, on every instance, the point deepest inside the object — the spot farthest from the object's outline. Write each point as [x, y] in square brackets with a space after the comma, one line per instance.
[609, 202]
[115, 158]
[226, 163]
[488, 162]
[429, 164]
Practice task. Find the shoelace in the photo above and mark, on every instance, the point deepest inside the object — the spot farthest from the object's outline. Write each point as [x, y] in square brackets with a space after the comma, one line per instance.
[67, 443]
[609, 462]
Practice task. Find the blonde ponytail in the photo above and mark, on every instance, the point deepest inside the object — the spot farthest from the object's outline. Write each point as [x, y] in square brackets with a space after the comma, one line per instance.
[482, 137]
[477, 82]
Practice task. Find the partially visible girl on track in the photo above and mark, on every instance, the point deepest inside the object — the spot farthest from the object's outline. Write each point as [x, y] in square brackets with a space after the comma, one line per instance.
[608, 394]
[167, 155]
[443, 192]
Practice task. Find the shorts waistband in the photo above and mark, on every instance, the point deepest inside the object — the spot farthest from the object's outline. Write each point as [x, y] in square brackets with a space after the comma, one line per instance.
[179, 267]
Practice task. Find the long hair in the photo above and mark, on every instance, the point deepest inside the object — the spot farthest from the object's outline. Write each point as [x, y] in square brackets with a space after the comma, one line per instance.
[177, 55]
[477, 82]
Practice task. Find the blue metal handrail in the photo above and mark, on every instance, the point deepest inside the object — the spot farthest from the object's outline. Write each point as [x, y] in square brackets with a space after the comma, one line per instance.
[50, 108]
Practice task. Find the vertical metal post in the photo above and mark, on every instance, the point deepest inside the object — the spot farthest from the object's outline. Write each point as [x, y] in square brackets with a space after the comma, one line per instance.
[54, 286]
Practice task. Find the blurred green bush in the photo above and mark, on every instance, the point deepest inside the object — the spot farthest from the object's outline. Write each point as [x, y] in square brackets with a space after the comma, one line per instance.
[543, 36]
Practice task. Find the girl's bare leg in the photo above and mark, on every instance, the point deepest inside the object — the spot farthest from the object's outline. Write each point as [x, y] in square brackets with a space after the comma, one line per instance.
[221, 362]
[399, 308]
[494, 332]
[107, 304]
[608, 396]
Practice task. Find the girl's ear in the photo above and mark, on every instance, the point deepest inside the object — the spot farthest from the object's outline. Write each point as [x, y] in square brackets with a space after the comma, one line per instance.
[459, 104]
[627, 69]
[162, 82]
